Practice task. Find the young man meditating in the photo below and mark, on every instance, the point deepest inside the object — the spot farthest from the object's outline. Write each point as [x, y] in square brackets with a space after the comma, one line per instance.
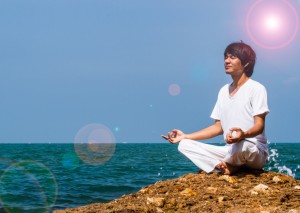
[239, 115]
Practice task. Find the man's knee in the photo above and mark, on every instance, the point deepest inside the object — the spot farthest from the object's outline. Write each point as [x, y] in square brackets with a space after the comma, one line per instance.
[238, 153]
[238, 148]
[242, 147]
[247, 153]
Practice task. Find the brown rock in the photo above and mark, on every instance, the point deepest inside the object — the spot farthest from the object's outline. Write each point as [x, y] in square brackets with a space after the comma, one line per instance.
[212, 190]
[188, 192]
[260, 188]
[156, 201]
[276, 179]
[220, 199]
[208, 193]
[228, 178]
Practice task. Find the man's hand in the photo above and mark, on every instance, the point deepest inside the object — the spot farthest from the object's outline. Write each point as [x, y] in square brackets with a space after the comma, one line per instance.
[235, 135]
[176, 136]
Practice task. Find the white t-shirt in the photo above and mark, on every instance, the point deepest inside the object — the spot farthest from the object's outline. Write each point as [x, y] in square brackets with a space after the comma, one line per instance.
[239, 110]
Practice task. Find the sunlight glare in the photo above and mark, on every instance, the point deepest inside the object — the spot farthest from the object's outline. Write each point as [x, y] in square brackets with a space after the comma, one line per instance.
[272, 22]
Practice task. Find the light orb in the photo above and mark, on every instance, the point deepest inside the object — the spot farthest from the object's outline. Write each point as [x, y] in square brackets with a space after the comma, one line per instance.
[272, 24]
[174, 89]
[94, 144]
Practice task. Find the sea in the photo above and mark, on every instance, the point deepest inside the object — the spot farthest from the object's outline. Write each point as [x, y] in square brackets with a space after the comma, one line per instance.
[46, 177]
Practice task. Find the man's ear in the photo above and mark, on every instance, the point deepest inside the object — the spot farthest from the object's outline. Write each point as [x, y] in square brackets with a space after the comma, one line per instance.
[246, 65]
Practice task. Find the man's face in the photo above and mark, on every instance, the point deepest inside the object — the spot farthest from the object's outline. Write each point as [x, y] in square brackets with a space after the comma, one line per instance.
[233, 65]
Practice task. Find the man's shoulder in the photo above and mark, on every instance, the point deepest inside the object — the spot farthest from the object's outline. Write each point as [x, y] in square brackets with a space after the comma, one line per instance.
[224, 88]
[255, 84]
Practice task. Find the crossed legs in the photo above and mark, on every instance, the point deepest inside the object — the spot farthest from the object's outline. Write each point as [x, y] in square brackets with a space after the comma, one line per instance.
[224, 159]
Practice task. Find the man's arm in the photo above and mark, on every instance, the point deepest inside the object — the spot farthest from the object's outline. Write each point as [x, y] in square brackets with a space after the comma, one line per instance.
[258, 128]
[214, 130]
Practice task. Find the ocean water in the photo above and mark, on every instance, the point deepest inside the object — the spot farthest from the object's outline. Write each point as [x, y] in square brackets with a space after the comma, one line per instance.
[44, 177]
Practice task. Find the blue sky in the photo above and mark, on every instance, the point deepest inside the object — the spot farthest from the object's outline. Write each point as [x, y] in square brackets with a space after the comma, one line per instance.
[68, 63]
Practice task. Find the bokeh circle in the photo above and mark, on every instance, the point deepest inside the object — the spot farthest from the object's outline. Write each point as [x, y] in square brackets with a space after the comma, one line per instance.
[70, 161]
[174, 89]
[272, 24]
[94, 144]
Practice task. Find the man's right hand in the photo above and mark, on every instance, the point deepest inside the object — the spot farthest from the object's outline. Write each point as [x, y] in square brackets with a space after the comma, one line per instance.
[176, 136]
[235, 135]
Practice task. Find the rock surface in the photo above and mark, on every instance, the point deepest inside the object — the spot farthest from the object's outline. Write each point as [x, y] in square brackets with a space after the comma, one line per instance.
[246, 191]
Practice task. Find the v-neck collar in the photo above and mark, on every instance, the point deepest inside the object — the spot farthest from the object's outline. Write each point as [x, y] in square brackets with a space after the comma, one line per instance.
[236, 93]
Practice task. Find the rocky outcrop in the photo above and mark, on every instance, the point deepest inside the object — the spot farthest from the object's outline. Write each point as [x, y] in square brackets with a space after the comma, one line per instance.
[247, 191]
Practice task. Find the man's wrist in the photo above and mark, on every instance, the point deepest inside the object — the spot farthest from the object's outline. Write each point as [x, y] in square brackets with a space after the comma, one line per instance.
[186, 136]
[246, 134]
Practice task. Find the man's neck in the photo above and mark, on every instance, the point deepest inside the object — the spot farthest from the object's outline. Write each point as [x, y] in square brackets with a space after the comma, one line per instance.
[238, 81]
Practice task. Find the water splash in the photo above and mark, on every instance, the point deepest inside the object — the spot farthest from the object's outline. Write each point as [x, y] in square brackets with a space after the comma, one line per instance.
[275, 164]
[286, 170]
[273, 155]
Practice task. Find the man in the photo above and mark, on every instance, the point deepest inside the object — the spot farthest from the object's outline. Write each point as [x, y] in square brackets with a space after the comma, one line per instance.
[239, 115]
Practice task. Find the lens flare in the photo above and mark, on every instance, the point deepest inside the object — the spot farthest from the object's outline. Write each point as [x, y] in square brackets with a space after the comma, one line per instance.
[70, 161]
[30, 184]
[174, 89]
[94, 144]
[117, 129]
[4, 163]
[272, 24]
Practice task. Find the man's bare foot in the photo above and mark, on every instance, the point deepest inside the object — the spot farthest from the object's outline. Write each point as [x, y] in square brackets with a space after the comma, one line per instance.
[226, 168]
[199, 171]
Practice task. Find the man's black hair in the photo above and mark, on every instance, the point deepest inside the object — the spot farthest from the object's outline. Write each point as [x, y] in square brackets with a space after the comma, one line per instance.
[243, 52]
